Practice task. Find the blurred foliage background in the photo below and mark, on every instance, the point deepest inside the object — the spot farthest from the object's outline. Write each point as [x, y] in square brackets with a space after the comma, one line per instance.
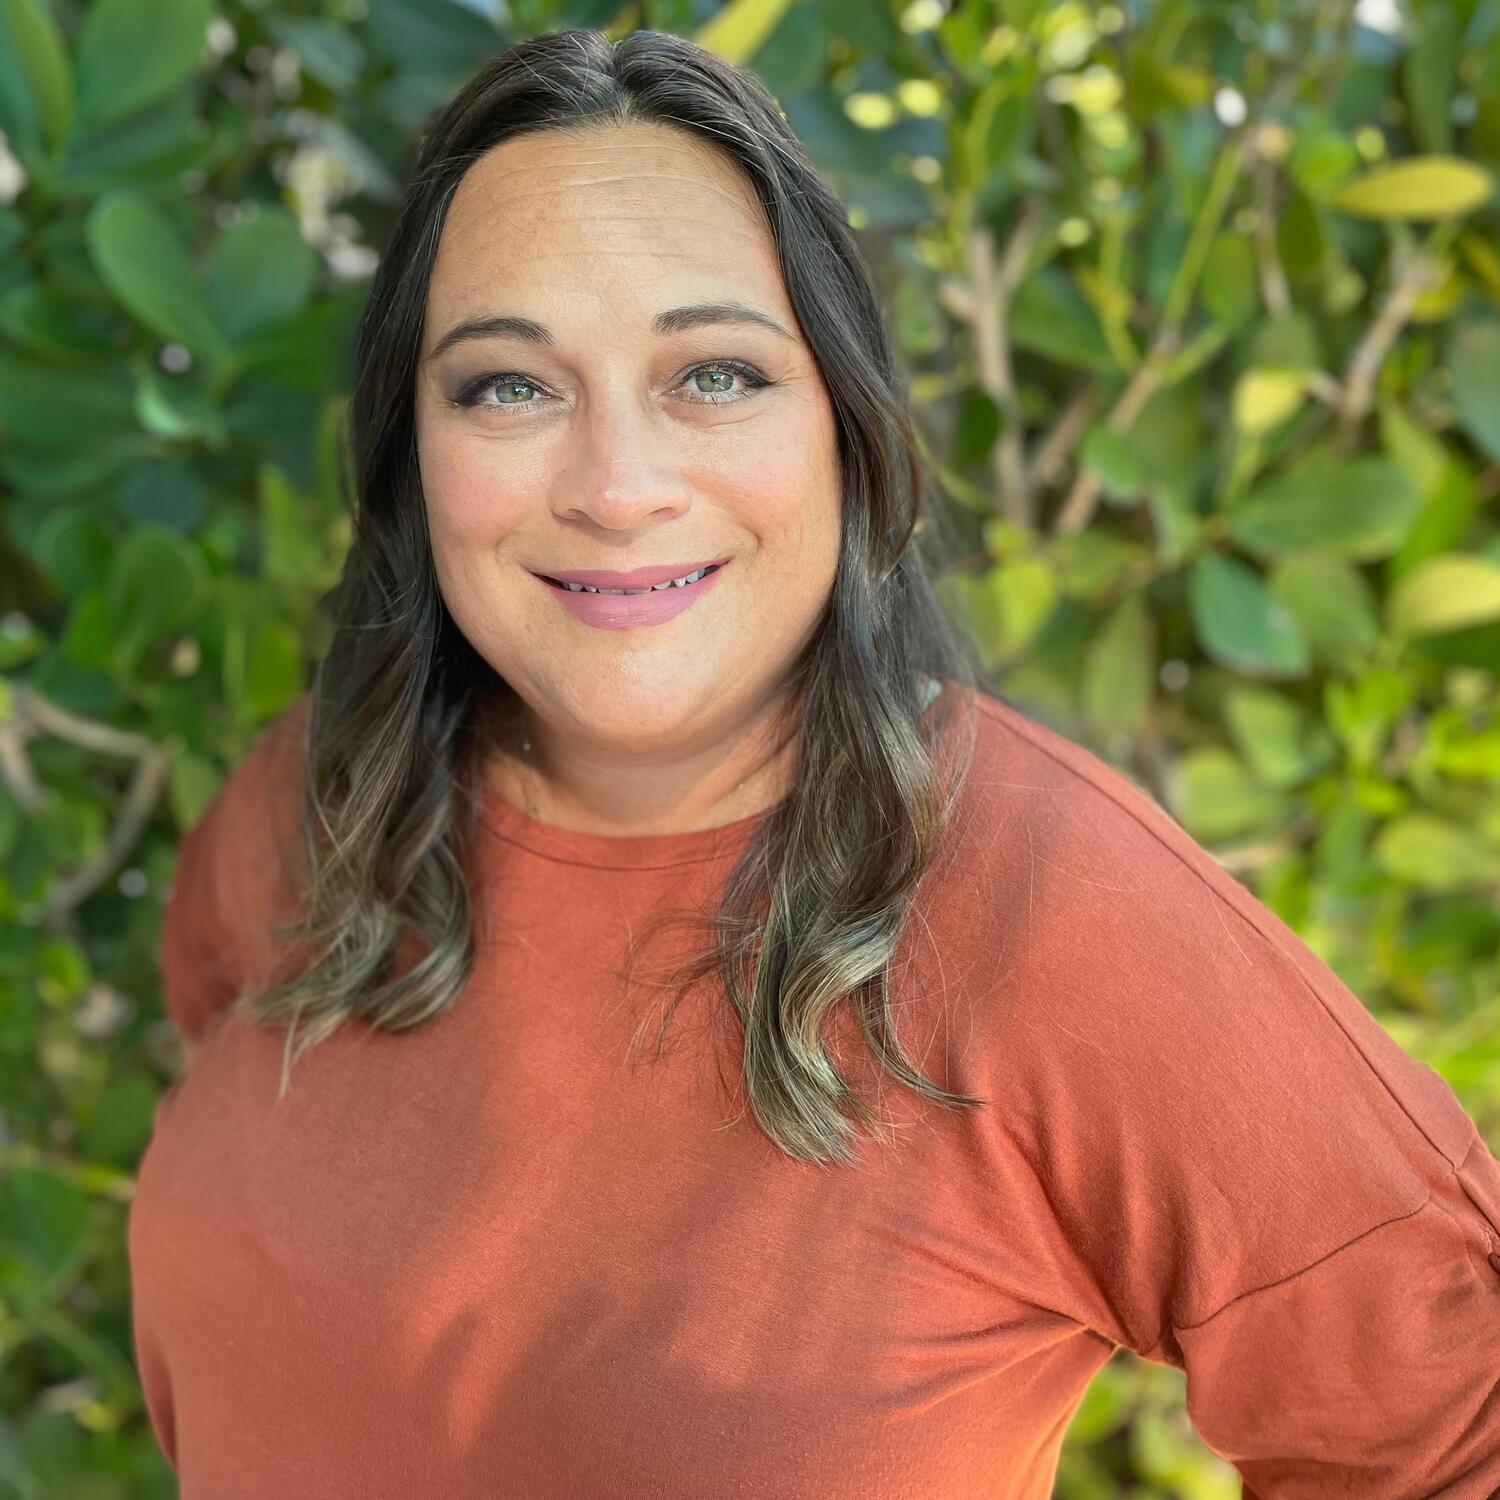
[1200, 308]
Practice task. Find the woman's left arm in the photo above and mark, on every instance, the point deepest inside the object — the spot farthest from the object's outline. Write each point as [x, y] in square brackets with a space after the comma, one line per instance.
[1247, 1177]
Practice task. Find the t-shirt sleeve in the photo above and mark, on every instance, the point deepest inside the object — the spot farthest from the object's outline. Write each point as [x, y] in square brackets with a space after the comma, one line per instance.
[1247, 1177]
[1375, 1371]
[236, 877]
[1373, 1368]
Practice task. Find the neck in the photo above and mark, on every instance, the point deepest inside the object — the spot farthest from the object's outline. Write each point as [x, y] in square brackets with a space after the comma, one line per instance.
[589, 790]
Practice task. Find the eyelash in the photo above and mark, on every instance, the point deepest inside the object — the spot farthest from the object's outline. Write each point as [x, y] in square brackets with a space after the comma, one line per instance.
[470, 394]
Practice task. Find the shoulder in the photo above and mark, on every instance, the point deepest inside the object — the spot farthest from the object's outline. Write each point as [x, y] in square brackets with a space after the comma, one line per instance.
[260, 799]
[1100, 856]
[242, 857]
[1135, 966]
[1080, 840]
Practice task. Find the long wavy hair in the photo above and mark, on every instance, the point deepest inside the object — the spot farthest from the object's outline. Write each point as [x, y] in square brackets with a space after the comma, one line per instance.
[403, 710]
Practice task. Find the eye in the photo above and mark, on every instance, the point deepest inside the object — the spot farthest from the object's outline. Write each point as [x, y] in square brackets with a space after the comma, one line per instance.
[720, 370]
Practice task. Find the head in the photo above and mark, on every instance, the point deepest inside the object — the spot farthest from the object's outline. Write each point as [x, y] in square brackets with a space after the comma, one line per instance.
[530, 399]
[612, 377]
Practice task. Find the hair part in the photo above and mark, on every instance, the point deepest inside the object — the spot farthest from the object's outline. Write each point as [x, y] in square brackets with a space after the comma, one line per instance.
[403, 710]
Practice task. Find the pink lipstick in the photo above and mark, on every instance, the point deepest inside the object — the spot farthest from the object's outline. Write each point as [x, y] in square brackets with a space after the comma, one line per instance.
[625, 611]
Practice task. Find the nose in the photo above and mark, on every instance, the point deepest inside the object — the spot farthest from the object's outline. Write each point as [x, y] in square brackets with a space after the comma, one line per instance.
[626, 472]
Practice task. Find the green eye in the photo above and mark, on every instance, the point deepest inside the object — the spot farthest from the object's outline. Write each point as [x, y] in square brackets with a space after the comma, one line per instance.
[717, 372]
[525, 385]
[720, 369]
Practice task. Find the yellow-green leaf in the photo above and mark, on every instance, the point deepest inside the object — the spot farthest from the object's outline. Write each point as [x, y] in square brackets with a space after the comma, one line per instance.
[1024, 589]
[1215, 797]
[1417, 187]
[1446, 592]
[1434, 854]
[736, 32]
[1119, 668]
[1263, 399]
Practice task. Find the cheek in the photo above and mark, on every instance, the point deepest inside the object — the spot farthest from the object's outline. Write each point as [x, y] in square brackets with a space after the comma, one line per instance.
[470, 500]
[797, 489]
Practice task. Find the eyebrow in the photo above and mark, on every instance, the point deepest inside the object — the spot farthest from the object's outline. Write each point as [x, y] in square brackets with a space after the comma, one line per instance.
[663, 325]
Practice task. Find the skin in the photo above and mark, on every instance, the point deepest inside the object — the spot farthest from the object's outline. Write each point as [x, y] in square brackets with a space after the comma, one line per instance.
[613, 454]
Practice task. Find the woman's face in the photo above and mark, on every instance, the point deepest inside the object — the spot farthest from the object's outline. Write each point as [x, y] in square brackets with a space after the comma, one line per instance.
[618, 437]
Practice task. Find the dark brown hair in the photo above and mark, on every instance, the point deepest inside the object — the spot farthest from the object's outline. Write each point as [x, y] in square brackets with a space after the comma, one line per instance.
[403, 709]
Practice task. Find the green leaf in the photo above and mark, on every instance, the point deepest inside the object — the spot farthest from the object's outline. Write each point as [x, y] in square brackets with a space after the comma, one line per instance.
[330, 52]
[51, 473]
[1360, 507]
[1051, 317]
[1238, 622]
[1114, 457]
[117, 1128]
[273, 675]
[308, 353]
[977, 427]
[1301, 238]
[1023, 591]
[1263, 398]
[431, 39]
[44, 1215]
[154, 142]
[260, 273]
[165, 491]
[89, 636]
[1417, 187]
[1006, 606]
[1274, 734]
[46, 407]
[737, 31]
[170, 407]
[192, 783]
[1446, 592]
[1119, 668]
[153, 586]
[1331, 600]
[73, 547]
[1290, 342]
[131, 53]
[1430, 74]
[1215, 797]
[145, 264]
[45, 321]
[1092, 561]
[1228, 285]
[1473, 355]
[1322, 155]
[1420, 452]
[1364, 712]
[36, 83]
[1445, 519]
[1434, 854]
[290, 551]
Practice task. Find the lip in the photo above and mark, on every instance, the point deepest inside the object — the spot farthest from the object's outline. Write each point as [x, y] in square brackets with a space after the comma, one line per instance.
[636, 578]
[626, 611]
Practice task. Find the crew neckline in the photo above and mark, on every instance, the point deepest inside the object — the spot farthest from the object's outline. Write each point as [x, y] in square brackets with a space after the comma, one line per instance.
[612, 851]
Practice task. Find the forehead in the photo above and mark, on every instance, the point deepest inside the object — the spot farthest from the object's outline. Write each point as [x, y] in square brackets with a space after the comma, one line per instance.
[619, 210]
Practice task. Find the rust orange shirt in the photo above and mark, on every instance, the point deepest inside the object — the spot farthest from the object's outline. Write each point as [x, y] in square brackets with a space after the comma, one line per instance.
[492, 1258]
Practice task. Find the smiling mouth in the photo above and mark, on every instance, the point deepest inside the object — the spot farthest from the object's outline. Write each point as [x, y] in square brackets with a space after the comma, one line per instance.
[654, 589]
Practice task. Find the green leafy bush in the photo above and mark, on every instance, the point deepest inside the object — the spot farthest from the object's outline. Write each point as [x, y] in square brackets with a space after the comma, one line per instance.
[1200, 305]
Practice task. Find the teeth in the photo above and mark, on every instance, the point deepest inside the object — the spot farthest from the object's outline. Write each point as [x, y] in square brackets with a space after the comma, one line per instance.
[678, 583]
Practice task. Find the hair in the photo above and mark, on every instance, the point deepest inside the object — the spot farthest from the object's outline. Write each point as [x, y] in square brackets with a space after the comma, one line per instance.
[403, 709]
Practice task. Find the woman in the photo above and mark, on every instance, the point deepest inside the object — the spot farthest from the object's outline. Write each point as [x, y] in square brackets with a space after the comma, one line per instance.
[485, 1244]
